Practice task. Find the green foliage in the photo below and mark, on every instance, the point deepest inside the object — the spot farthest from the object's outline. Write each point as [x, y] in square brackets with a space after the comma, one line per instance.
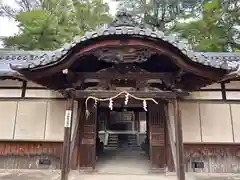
[215, 31]
[51, 23]
[47, 24]
[160, 14]
[209, 25]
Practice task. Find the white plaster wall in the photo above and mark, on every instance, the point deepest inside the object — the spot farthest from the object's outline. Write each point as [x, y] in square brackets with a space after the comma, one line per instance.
[10, 83]
[44, 120]
[205, 95]
[233, 85]
[213, 86]
[42, 93]
[32, 84]
[233, 95]
[191, 121]
[30, 121]
[216, 122]
[8, 111]
[34, 120]
[10, 92]
[55, 120]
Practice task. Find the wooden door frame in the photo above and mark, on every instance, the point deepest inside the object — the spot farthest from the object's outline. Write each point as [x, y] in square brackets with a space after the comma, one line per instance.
[84, 141]
[160, 105]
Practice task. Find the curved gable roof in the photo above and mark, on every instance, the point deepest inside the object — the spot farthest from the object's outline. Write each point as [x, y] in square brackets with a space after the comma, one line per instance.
[10, 62]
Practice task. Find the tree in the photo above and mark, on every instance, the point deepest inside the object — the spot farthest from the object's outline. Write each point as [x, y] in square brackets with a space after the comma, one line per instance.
[160, 14]
[48, 24]
[217, 30]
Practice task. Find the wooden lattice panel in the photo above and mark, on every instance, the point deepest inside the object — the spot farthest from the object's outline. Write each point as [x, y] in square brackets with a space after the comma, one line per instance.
[156, 120]
[88, 140]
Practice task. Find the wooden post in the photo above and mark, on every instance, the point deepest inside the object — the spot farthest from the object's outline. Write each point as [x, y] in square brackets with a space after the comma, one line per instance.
[179, 141]
[170, 137]
[67, 135]
[74, 147]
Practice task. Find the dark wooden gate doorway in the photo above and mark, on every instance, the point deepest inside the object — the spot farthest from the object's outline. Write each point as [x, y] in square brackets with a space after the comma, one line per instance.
[156, 136]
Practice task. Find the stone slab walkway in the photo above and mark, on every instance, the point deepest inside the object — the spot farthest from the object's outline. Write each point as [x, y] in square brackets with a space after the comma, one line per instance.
[55, 175]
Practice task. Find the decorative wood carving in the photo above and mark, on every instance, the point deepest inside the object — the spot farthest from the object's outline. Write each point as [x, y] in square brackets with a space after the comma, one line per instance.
[106, 77]
[124, 55]
[141, 85]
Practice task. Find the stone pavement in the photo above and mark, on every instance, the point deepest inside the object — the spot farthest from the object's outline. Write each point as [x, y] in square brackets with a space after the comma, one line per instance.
[55, 175]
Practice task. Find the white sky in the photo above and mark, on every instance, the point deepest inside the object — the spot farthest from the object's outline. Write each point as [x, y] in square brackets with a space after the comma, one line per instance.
[9, 27]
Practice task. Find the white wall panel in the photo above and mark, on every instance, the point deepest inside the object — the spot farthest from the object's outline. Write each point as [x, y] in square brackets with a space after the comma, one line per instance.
[213, 86]
[42, 93]
[233, 85]
[190, 121]
[55, 120]
[10, 83]
[30, 122]
[7, 119]
[10, 93]
[32, 84]
[233, 95]
[205, 95]
[216, 123]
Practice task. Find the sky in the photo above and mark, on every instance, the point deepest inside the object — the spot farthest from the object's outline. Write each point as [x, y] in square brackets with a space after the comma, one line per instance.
[9, 27]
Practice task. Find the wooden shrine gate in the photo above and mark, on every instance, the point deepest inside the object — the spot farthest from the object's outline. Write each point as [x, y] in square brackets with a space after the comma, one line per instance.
[157, 136]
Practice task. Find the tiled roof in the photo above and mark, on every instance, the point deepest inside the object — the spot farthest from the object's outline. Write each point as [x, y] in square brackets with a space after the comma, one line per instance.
[14, 57]
[121, 26]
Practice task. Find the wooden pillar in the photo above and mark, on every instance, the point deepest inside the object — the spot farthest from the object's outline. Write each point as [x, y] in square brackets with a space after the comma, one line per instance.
[170, 140]
[75, 143]
[67, 135]
[179, 141]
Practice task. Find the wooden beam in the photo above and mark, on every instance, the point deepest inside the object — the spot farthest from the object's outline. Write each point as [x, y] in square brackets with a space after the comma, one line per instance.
[106, 94]
[67, 138]
[223, 90]
[128, 75]
[167, 77]
[179, 141]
